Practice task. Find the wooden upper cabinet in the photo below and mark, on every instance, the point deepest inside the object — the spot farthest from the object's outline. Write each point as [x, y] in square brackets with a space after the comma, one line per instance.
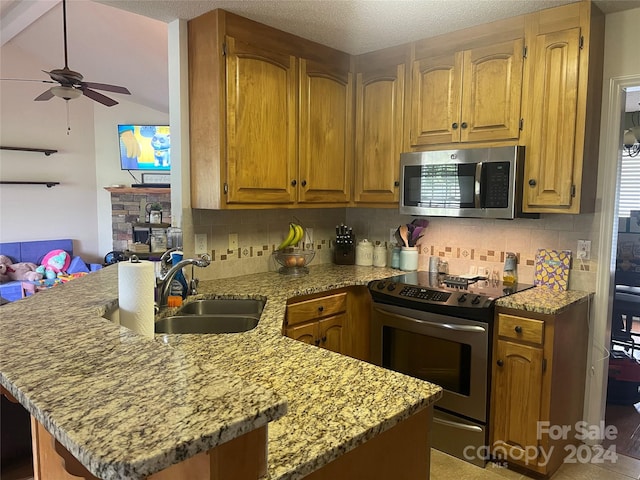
[550, 150]
[380, 117]
[468, 96]
[562, 108]
[261, 124]
[326, 133]
[271, 117]
[435, 99]
[491, 92]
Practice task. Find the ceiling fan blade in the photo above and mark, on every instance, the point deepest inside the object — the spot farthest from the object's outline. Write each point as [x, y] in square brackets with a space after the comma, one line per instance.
[46, 95]
[107, 87]
[98, 97]
[26, 80]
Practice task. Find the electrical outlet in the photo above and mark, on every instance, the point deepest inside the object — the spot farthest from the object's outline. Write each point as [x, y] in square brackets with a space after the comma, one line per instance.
[584, 249]
[308, 236]
[200, 243]
[233, 241]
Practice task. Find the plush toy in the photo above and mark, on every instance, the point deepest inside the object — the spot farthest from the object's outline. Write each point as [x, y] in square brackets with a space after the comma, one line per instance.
[17, 271]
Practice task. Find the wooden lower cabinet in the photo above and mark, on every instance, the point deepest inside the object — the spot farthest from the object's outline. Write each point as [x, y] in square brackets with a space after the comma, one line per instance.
[337, 320]
[243, 458]
[538, 381]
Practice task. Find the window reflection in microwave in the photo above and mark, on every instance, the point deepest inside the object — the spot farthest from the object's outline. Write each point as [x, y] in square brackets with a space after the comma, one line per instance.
[451, 186]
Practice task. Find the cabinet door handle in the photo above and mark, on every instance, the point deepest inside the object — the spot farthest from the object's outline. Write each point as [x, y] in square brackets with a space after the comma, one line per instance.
[454, 126]
[532, 182]
[321, 309]
[500, 363]
[324, 339]
[294, 183]
[518, 329]
[463, 125]
[316, 342]
[303, 183]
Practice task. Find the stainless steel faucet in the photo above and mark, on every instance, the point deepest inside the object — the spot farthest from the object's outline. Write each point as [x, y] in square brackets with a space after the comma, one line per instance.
[165, 280]
[165, 261]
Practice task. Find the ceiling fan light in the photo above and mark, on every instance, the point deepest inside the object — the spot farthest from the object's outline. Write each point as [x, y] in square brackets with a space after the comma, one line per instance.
[68, 93]
[629, 138]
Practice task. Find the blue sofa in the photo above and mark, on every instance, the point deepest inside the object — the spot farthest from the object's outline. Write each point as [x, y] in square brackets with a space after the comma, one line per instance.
[34, 252]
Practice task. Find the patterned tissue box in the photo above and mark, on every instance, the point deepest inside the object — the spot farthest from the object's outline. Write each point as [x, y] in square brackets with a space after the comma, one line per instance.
[552, 269]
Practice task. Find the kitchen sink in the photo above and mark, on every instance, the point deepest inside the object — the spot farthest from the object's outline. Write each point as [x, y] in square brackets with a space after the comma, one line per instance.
[208, 323]
[223, 306]
[219, 315]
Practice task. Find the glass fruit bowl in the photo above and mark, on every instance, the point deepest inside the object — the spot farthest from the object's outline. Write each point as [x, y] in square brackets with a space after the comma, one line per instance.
[294, 260]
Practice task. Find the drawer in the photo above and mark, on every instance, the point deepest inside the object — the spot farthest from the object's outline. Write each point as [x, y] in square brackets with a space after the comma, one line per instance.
[522, 329]
[304, 311]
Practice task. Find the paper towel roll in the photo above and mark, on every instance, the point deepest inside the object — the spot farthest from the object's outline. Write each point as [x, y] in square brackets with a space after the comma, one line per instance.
[136, 283]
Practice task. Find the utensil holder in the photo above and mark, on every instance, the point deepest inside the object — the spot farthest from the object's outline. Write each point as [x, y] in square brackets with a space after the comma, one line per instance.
[409, 259]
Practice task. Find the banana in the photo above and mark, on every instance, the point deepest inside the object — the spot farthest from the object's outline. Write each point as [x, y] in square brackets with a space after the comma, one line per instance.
[290, 237]
[299, 234]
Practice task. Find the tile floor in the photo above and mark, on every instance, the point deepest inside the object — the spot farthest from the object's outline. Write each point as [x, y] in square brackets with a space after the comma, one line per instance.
[446, 467]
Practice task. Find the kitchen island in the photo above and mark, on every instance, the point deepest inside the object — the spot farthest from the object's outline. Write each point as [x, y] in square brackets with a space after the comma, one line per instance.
[127, 407]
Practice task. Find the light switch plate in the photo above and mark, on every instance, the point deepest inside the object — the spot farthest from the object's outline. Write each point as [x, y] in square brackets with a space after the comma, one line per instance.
[233, 241]
[200, 243]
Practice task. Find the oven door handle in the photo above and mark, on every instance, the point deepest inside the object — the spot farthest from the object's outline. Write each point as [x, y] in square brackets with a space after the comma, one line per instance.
[445, 326]
[461, 426]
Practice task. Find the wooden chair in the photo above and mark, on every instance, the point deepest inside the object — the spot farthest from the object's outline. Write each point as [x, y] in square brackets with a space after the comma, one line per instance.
[28, 289]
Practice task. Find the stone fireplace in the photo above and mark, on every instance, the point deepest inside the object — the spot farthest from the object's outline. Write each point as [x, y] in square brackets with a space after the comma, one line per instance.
[128, 211]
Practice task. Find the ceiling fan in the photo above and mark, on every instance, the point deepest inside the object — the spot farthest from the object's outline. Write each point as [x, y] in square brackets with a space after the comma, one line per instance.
[71, 84]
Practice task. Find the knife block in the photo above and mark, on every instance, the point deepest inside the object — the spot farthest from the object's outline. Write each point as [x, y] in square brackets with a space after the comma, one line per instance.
[344, 254]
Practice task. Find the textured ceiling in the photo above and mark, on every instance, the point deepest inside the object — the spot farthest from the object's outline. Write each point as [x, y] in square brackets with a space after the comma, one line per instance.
[127, 45]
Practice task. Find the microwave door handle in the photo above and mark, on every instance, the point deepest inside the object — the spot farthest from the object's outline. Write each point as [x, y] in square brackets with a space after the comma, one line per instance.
[478, 186]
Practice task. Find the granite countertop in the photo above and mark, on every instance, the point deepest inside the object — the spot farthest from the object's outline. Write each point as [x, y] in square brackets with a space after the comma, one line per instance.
[127, 406]
[544, 300]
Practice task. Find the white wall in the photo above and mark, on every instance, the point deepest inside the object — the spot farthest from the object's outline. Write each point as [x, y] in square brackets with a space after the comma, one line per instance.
[621, 66]
[107, 157]
[34, 212]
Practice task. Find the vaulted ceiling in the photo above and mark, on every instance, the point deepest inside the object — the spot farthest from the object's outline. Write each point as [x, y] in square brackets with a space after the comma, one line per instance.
[124, 42]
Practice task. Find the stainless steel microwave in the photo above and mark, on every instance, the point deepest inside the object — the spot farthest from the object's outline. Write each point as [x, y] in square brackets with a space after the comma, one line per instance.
[476, 182]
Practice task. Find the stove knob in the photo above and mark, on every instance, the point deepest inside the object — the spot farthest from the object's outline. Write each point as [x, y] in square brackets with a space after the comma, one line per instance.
[381, 285]
[462, 298]
[476, 300]
[391, 287]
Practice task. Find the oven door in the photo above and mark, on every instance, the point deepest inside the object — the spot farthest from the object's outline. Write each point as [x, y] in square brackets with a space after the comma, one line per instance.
[448, 351]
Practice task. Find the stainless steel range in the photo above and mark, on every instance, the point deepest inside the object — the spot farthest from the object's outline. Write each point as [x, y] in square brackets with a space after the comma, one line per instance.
[439, 328]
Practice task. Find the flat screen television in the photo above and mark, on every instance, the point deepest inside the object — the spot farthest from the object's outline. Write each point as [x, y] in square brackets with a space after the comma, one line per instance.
[145, 147]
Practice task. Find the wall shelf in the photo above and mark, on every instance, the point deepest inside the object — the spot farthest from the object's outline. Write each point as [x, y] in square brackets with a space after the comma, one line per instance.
[46, 151]
[48, 184]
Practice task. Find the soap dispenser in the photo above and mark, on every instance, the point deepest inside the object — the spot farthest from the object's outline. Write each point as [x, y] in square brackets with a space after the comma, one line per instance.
[510, 271]
[179, 286]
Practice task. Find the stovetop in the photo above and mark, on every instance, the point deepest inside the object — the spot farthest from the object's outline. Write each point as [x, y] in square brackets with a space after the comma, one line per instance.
[461, 296]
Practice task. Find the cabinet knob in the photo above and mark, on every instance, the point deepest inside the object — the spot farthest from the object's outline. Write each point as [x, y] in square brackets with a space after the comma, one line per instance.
[396, 183]
[324, 339]
[316, 342]
[294, 183]
[463, 125]
[454, 126]
[321, 308]
[303, 183]
[532, 182]
[518, 329]
[500, 363]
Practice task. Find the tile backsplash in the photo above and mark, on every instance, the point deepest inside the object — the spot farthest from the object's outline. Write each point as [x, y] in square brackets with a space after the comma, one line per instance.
[463, 243]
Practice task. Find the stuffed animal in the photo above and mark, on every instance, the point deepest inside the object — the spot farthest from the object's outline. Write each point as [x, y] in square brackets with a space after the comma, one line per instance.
[17, 271]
